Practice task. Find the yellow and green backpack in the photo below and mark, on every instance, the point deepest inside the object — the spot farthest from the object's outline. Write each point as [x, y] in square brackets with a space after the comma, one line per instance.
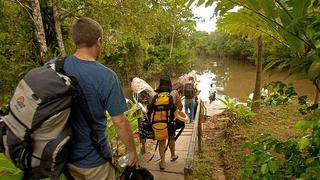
[161, 114]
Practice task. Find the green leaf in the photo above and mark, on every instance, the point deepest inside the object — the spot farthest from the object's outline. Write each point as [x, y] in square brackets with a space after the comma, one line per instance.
[200, 2]
[314, 70]
[273, 166]
[271, 64]
[310, 160]
[251, 158]
[294, 43]
[303, 100]
[304, 125]
[209, 3]
[303, 143]
[285, 18]
[6, 165]
[223, 6]
[300, 8]
[264, 169]
[278, 147]
[190, 3]
[268, 7]
[253, 4]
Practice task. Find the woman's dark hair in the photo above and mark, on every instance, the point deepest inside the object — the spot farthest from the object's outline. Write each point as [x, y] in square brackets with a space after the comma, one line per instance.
[164, 84]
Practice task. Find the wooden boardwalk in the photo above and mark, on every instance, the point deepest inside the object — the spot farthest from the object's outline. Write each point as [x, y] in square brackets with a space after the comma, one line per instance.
[174, 170]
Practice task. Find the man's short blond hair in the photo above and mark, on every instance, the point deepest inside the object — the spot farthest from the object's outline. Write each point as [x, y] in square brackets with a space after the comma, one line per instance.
[85, 32]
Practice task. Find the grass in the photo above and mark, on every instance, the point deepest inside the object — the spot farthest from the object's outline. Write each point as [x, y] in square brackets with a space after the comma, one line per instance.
[279, 121]
[204, 162]
[222, 145]
[209, 164]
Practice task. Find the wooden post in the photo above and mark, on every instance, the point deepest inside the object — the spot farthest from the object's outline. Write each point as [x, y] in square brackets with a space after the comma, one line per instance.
[189, 165]
[201, 116]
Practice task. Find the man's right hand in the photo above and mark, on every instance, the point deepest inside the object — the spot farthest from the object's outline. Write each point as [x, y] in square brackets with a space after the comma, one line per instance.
[124, 131]
[133, 159]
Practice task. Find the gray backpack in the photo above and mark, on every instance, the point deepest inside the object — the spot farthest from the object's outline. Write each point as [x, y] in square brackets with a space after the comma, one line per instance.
[35, 135]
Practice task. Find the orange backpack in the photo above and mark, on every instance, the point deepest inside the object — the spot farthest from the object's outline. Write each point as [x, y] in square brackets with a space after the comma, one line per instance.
[161, 113]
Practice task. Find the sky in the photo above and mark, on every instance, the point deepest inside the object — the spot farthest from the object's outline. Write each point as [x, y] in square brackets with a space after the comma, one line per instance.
[206, 23]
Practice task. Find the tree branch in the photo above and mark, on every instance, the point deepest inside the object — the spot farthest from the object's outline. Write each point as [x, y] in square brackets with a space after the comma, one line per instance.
[26, 8]
[69, 12]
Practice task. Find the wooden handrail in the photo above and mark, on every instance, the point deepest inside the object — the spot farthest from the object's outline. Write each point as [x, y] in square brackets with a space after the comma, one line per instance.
[188, 168]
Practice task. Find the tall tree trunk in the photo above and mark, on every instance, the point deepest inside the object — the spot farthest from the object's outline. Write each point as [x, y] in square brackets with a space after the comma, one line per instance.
[257, 89]
[172, 38]
[39, 30]
[57, 26]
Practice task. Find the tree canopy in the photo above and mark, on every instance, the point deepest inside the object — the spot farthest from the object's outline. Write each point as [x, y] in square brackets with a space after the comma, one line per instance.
[142, 38]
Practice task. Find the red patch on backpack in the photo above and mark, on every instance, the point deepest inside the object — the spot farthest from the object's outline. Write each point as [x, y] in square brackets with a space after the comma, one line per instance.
[20, 99]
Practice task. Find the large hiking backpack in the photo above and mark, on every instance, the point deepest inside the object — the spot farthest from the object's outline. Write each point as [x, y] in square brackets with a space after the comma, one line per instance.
[136, 173]
[161, 114]
[34, 135]
[189, 91]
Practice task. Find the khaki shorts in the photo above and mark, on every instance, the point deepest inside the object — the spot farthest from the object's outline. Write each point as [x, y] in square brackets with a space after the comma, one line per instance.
[102, 172]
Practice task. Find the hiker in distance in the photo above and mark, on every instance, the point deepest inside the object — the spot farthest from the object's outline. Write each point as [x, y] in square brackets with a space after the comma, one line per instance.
[101, 88]
[161, 114]
[190, 91]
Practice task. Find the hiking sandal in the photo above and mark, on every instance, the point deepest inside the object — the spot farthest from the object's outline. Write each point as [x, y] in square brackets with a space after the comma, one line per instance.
[161, 167]
[174, 159]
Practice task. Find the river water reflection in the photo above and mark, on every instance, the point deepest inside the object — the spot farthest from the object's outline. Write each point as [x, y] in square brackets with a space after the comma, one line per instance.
[236, 79]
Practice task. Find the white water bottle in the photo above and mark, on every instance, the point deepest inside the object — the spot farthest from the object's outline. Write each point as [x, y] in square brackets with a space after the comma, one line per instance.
[123, 160]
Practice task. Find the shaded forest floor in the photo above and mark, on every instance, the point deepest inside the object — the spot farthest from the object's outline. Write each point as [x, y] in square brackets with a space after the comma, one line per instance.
[223, 142]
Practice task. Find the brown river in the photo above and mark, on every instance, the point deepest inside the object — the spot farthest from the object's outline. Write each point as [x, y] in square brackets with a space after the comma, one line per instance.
[235, 78]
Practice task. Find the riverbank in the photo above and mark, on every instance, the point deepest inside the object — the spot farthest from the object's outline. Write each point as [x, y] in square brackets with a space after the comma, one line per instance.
[223, 142]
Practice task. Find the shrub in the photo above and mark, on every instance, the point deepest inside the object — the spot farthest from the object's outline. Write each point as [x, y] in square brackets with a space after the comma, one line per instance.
[236, 112]
[270, 158]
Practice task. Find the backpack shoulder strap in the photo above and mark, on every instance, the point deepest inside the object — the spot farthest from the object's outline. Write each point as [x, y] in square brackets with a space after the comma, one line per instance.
[59, 65]
[82, 104]
[154, 99]
[151, 107]
[172, 107]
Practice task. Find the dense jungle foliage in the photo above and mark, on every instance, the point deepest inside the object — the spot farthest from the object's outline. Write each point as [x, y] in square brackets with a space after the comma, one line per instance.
[142, 38]
[224, 45]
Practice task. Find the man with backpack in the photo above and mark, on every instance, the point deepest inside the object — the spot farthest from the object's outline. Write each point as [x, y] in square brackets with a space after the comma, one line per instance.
[103, 92]
[57, 114]
[189, 91]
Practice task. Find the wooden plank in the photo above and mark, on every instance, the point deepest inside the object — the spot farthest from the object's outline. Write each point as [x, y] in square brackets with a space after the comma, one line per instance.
[173, 170]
